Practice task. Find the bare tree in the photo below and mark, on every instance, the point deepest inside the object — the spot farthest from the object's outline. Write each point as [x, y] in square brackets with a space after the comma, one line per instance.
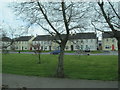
[37, 51]
[113, 25]
[7, 31]
[57, 18]
[109, 17]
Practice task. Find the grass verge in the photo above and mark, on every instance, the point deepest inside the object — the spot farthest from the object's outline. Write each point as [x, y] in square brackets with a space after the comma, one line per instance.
[75, 67]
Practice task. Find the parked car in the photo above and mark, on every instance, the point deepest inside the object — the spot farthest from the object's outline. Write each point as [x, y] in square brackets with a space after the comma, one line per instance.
[87, 50]
[55, 52]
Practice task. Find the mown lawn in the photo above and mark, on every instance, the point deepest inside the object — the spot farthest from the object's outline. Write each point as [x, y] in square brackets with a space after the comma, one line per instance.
[76, 67]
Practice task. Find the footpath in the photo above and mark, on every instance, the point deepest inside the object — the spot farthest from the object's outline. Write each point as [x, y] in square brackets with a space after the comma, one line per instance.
[18, 81]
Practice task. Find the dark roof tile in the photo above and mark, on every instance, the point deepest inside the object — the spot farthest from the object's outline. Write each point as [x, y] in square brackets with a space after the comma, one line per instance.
[84, 36]
[107, 35]
[6, 39]
[77, 36]
[24, 38]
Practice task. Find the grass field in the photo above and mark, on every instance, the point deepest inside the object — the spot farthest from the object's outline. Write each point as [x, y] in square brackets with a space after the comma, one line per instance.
[76, 67]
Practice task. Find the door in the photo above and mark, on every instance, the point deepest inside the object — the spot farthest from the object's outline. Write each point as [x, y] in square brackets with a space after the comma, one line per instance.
[22, 47]
[71, 47]
[50, 48]
[113, 47]
[30, 48]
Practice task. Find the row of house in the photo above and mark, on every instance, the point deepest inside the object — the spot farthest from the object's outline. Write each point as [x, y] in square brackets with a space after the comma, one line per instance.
[79, 41]
[109, 42]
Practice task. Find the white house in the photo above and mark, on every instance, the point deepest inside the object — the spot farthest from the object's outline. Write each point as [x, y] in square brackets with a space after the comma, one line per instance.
[23, 42]
[83, 41]
[108, 41]
[45, 42]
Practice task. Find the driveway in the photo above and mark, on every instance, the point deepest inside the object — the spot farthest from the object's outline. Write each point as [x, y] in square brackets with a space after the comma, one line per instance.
[19, 81]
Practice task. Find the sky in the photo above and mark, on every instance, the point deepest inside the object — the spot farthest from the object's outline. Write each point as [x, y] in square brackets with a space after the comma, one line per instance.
[8, 18]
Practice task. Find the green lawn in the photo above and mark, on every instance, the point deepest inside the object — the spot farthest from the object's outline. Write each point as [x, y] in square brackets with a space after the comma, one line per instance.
[94, 52]
[76, 67]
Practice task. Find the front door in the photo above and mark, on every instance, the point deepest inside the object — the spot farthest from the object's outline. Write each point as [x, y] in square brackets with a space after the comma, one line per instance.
[71, 47]
[113, 48]
[22, 47]
[30, 48]
[50, 48]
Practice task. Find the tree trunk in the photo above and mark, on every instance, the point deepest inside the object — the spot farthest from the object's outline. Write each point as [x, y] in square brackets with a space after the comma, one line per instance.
[118, 59]
[60, 68]
[39, 53]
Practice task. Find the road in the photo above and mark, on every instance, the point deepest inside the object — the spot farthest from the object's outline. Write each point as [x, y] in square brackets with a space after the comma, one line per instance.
[18, 81]
[104, 53]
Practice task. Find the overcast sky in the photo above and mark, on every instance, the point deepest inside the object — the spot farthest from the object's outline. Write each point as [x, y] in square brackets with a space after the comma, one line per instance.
[7, 17]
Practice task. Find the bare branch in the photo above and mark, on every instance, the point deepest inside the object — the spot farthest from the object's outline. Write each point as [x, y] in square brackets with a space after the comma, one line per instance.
[113, 9]
[65, 20]
[48, 20]
[106, 17]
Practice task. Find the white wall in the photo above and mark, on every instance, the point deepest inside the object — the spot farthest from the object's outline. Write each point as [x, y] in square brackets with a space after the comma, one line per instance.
[22, 45]
[90, 43]
[108, 42]
[84, 44]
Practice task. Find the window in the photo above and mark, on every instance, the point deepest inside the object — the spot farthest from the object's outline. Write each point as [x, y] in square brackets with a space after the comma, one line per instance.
[81, 41]
[66, 47]
[107, 47]
[87, 47]
[76, 41]
[81, 47]
[107, 40]
[77, 47]
[45, 47]
[25, 47]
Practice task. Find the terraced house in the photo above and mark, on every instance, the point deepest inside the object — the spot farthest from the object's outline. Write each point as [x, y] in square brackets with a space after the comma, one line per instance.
[108, 41]
[79, 41]
[6, 41]
[45, 42]
[82, 41]
[23, 42]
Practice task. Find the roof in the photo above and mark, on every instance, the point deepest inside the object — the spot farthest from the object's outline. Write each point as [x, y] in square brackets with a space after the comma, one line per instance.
[107, 35]
[6, 39]
[24, 38]
[84, 36]
[43, 38]
[77, 36]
